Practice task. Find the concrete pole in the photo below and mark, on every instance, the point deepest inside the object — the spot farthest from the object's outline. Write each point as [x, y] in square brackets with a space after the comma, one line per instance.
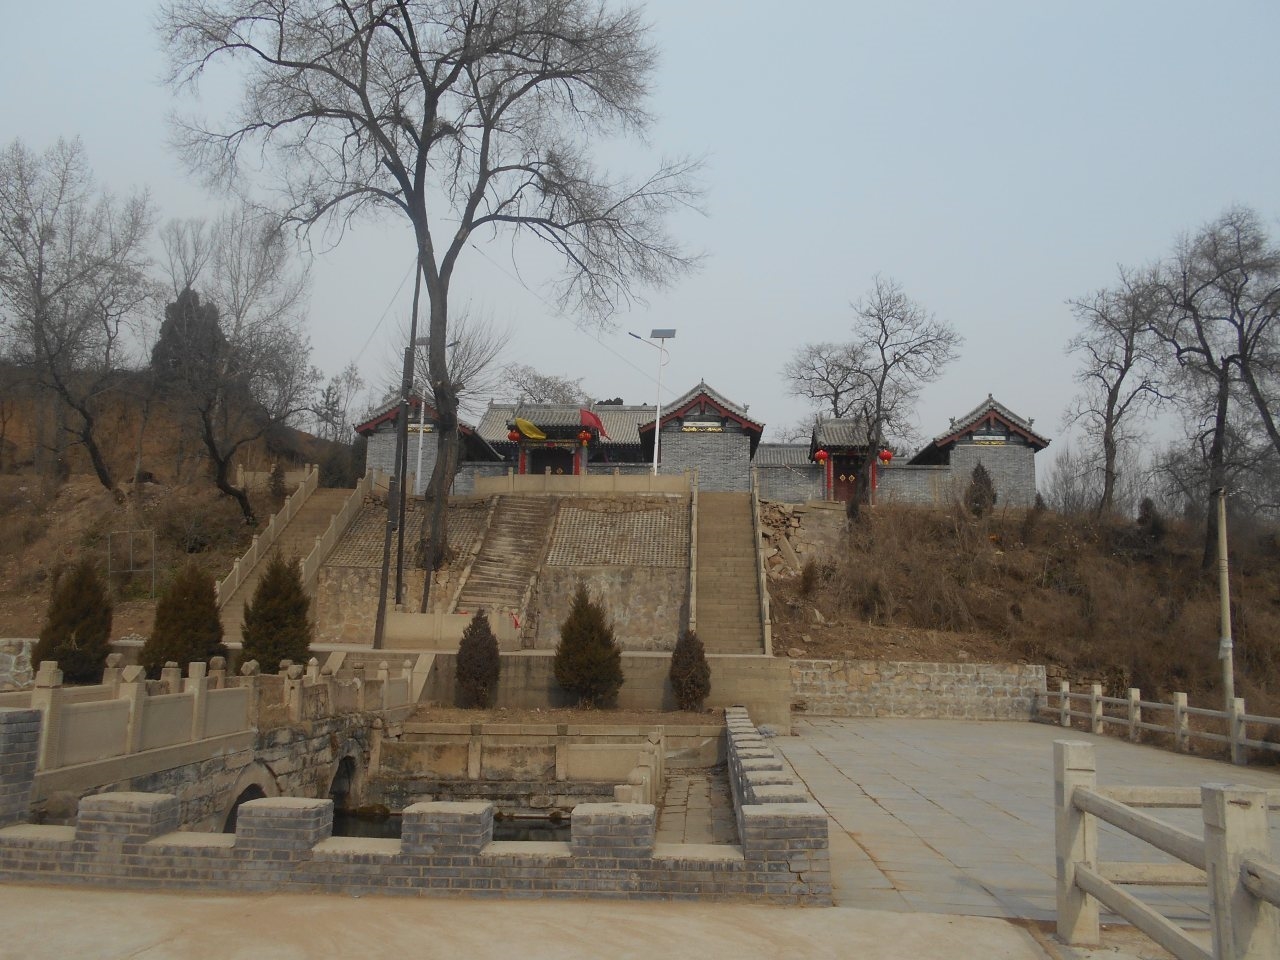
[1225, 645]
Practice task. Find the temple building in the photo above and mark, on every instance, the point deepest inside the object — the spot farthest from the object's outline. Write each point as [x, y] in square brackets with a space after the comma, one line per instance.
[703, 431]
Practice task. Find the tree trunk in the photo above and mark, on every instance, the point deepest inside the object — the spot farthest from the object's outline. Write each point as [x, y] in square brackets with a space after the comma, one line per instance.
[1109, 452]
[222, 470]
[435, 549]
[1264, 411]
[1217, 464]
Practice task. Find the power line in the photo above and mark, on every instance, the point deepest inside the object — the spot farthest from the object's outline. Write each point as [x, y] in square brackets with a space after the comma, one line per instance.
[555, 312]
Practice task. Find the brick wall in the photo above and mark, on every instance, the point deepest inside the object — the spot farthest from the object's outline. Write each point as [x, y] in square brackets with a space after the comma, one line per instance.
[905, 483]
[19, 750]
[789, 483]
[723, 460]
[1012, 468]
[285, 844]
[878, 688]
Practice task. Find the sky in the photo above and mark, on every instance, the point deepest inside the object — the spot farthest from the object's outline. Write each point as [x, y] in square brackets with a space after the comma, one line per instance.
[995, 158]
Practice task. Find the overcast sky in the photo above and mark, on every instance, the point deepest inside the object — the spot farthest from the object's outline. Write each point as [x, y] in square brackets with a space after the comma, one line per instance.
[996, 158]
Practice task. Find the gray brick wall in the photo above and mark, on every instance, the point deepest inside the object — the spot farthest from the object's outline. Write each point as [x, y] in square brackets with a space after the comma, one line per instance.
[19, 748]
[723, 460]
[913, 484]
[1012, 467]
[381, 455]
[790, 484]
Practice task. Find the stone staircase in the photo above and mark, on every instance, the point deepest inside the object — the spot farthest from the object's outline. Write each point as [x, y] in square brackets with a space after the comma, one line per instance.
[508, 561]
[728, 601]
[297, 539]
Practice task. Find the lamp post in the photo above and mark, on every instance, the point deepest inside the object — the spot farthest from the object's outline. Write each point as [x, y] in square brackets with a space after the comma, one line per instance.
[662, 335]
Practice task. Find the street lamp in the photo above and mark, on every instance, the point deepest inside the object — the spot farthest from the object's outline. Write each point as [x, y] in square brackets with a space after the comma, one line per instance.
[663, 334]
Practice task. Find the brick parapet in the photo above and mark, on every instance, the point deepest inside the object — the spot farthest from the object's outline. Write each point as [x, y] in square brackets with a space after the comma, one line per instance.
[19, 752]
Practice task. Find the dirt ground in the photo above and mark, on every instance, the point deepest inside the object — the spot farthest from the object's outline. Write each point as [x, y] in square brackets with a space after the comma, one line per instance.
[801, 632]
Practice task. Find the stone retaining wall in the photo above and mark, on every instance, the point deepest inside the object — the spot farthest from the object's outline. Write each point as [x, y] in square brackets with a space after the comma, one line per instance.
[878, 688]
[285, 844]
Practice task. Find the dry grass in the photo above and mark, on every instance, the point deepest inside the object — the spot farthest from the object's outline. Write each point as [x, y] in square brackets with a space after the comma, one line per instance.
[1101, 600]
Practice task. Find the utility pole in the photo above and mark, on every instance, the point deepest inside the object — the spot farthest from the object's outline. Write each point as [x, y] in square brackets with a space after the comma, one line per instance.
[1225, 644]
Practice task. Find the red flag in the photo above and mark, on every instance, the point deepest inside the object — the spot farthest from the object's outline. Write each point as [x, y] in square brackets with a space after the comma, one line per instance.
[589, 419]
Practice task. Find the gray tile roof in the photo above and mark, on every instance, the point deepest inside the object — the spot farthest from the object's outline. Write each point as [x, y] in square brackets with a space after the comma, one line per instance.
[782, 455]
[620, 422]
[736, 409]
[959, 424]
[840, 433]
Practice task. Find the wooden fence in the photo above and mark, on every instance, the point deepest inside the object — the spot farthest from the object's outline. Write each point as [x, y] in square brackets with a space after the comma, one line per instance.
[1233, 858]
[1133, 715]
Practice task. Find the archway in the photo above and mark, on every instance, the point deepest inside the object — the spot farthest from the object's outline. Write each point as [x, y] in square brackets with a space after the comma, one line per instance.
[254, 783]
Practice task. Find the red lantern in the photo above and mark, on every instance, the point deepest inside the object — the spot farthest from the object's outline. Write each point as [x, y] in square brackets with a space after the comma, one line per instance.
[821, 456]
[513, 436]
[584, 436]
[885, 456]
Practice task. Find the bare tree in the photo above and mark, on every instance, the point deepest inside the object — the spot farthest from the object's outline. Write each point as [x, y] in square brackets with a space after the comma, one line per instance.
[332, 411]
[1220, 299]
[523, 382]
[476, 371]
[72, 275]
[828, 376]
[876, 377]
[1121, 376]
[466, 116]
[237, 363]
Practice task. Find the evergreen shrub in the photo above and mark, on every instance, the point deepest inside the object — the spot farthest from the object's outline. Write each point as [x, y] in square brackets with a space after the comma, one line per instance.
[277, 621]
[187, 627]
[980, 497]
[478, 663]
[588, 662]
[690, 673]
[77, 628]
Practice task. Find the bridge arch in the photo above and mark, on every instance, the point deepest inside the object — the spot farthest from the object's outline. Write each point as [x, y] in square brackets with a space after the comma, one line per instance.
[347, 775]
[255, 782]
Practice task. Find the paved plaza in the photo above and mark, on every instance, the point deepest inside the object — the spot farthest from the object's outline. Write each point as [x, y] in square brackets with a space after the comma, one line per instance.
[941, 843]
[956, 817]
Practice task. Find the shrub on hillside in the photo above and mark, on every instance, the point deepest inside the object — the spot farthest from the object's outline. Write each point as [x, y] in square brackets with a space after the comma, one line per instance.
[980, 497]
[588, 663]
[187, 626]
[479, 663]
[277, 621]
[690, 673]
[77, 628]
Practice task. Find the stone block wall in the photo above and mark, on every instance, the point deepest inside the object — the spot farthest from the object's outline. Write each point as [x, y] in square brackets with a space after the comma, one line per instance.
[447, 849]
[527, 681]
[878, 688]
[648, 605]
[723, 460]
[15, 664]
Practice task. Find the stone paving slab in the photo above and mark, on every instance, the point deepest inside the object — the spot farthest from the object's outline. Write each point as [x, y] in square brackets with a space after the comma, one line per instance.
[119, 925]
[957, 817]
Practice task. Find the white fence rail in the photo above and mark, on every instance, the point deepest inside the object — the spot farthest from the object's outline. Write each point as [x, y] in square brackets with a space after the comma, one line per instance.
[1233, 858]
[762, 581]
[337, 527]
[263, 542]
[1133, 715]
